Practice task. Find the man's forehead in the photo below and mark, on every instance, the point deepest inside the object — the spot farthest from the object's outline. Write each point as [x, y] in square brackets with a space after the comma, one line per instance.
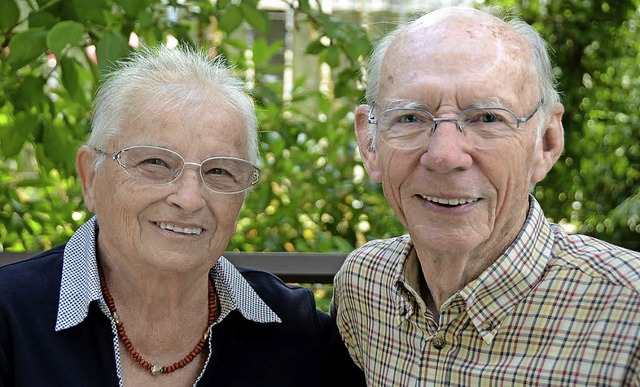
[456, 42]
[456, 15]
[456, 27]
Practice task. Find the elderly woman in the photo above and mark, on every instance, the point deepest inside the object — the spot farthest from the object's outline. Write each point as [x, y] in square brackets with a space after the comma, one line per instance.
[141, 294]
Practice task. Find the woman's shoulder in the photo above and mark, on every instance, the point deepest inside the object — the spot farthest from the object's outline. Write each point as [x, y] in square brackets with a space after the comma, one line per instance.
[42, 271]
[273, 290]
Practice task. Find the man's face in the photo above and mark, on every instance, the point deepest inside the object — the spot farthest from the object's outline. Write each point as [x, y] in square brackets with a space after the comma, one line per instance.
[454, 194]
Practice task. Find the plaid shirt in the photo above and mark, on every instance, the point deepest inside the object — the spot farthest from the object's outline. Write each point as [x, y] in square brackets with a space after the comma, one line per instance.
[554, 309]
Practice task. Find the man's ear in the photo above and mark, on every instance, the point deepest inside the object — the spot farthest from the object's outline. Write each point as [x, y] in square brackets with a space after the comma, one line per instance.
[368, 153]
[551, 145]
[86, 172]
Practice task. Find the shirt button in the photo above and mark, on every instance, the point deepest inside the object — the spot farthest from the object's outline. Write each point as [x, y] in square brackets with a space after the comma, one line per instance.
[487, 326]
[438, 340]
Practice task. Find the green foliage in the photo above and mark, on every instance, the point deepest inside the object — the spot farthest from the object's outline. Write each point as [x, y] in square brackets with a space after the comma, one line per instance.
[314, 194]
[595, 188]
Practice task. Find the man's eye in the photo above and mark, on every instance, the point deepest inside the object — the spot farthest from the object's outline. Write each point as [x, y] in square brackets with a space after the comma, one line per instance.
[410, 119]
[489, 117]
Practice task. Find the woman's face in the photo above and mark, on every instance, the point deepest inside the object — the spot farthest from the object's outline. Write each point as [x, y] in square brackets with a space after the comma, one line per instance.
[179, 226]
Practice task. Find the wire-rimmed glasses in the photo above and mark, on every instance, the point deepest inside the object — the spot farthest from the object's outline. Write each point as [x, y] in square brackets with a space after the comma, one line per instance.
[410, 128]
[157, 165]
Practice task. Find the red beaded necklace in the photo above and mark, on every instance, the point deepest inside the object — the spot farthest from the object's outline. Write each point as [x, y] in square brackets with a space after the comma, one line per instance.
[157, 369]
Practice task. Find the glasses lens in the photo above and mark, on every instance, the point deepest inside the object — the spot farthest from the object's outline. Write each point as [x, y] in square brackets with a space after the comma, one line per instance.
[228, 175]
[151, 164]
[405, 128]
[485, 126]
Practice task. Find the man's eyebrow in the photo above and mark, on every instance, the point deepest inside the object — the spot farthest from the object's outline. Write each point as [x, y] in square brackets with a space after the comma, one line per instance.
[404, 103]
[492, 102]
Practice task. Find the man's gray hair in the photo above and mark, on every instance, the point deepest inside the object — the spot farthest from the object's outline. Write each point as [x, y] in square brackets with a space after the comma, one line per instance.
[540, 62]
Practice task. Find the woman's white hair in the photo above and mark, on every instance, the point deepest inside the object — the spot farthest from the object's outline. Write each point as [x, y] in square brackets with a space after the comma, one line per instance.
[181, 76]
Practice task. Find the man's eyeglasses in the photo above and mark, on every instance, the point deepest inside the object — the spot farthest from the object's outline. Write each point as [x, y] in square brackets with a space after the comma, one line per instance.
[156, 165]
[407, 128]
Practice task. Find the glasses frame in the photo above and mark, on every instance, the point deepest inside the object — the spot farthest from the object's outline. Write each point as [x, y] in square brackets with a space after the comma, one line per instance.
[436, 120]
[115, 156]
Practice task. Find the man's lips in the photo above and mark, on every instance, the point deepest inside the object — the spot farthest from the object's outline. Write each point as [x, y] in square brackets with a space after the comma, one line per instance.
[450, 201]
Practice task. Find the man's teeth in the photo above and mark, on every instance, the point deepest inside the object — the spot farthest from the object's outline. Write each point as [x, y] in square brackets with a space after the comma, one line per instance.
[450, 202]
[183, 230]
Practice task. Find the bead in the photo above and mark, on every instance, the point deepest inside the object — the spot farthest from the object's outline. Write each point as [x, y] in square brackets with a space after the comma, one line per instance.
[157, 369]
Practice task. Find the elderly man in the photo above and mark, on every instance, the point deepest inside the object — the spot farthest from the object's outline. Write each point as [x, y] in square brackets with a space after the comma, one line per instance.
[462, 119]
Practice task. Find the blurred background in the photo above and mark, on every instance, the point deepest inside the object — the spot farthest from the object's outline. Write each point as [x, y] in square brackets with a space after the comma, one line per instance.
[303, 61]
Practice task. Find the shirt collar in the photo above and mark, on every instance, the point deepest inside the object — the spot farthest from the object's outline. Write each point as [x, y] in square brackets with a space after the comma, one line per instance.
[498, 289]
[491, 296]
[235, 292]
[80, 284]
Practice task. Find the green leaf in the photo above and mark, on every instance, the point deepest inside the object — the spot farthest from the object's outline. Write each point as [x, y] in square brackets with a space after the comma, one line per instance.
[112, 47]
[26, 47]
[262, 51]
[90, 12]
[303, 5]
[230, 19]
[145, 19]
[315, 47]
[57, 143]
[13, 137]
[221, 4]
[331, 56]
[30, 94]
[9, 14]
[133, 7]
[70, 77]
[257, 19]
[42, 19]
[64, 33]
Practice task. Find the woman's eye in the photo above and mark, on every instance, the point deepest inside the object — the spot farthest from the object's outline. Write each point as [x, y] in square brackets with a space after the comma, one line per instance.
[217, 171]
[155, 161]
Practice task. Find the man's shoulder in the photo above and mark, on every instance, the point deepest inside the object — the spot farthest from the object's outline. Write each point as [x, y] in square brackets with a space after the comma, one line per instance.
[382, 248]
[599, 259]
[388, 245]
[378, 260]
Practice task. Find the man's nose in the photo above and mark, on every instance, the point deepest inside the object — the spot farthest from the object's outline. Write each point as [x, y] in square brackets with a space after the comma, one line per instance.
[447, 148]
[437, 121]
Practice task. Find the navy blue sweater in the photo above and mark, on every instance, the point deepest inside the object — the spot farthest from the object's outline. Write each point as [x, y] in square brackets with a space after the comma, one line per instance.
[304, 350]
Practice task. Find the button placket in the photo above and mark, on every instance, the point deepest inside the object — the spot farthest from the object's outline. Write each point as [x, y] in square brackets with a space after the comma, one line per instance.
[439, 340]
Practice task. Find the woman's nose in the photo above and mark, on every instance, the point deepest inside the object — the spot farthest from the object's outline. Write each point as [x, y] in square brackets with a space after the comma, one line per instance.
[188, 193]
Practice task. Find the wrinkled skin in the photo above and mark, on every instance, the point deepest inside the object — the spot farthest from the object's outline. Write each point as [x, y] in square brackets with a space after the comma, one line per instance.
[446, 62]
[156, 270]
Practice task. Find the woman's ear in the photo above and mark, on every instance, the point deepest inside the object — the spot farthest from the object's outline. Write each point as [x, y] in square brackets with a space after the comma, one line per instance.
[86, 172]
[551, 145]
[368, 153]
